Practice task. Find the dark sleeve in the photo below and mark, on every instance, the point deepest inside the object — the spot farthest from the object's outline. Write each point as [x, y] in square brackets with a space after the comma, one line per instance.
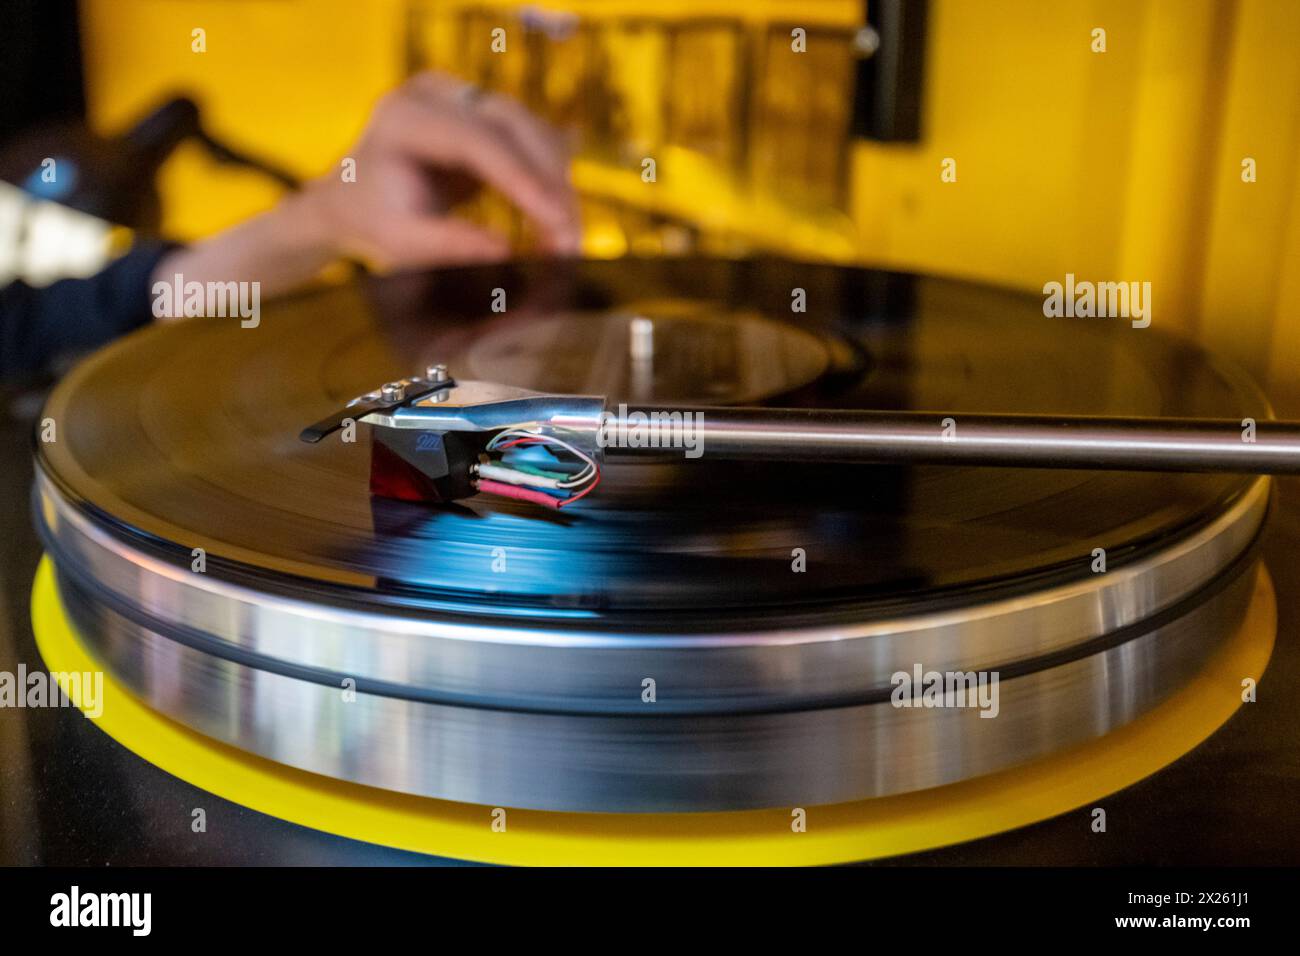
[72, 315]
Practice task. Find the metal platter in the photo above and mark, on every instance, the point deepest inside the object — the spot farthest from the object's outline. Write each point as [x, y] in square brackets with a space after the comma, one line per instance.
[500, 655]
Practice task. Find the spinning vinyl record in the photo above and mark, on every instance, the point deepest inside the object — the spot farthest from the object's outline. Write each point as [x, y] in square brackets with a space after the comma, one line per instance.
[697, 634]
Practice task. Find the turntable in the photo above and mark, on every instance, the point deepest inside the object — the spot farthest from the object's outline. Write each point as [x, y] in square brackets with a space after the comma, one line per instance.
[436, 630]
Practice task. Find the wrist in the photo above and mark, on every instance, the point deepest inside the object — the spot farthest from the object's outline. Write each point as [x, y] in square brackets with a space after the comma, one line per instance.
[303, 224]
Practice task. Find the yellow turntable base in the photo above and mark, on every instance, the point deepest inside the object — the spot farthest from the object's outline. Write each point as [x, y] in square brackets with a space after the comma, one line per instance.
[863, 830]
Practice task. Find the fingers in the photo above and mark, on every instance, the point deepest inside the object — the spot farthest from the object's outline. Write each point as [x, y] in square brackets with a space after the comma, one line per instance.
[426, 241]
[492, 138]
[546, 149]
[535, 138]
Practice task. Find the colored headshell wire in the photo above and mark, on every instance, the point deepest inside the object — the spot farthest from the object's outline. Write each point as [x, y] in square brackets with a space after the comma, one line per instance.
[528, 483]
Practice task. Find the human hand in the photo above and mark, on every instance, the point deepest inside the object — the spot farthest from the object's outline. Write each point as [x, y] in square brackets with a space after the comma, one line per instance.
[430, 144]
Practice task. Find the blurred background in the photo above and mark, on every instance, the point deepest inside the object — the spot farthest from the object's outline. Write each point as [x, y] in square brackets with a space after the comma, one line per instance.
[1122, 165]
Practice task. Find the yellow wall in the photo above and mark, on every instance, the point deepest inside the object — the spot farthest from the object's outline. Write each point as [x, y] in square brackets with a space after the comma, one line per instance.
[293, 79]
[1123, 165]
[1117, 165]
[1251, 302]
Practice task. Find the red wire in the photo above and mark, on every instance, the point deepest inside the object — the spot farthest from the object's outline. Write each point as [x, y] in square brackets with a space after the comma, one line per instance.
[582, 493]
[520, 494]
[524, 494]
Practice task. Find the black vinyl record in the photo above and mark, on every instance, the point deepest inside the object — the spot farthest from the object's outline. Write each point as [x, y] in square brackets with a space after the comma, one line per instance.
[185, 436]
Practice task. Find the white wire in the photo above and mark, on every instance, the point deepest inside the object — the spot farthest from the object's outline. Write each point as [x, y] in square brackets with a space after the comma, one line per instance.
[583, 477]
[513, 477]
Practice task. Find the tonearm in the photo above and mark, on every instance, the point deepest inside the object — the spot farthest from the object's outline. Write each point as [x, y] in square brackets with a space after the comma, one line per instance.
[438, 439]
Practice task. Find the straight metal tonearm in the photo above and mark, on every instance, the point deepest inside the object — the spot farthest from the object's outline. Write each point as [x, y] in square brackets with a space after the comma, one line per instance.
[436, 404]
[1029, 441]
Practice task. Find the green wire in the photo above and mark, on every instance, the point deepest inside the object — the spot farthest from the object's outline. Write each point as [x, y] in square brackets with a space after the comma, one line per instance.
[529, 469]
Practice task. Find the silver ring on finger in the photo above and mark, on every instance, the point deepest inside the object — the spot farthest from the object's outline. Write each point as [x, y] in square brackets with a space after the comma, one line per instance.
[469, 96]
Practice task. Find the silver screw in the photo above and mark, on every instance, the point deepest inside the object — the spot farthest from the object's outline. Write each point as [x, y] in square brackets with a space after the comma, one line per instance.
[435, 373]
[392, 392]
